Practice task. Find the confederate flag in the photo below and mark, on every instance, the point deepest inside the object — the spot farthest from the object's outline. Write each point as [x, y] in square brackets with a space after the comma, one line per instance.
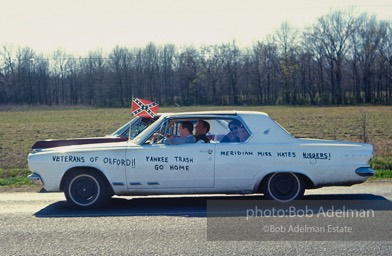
[144, 108]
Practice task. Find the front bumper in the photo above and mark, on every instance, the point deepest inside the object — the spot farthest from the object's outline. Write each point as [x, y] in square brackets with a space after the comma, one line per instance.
[365, 172]
[35, 179]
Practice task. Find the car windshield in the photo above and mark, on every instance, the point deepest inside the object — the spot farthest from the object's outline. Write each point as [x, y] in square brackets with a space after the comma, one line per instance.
[147, 131]
[133, 127]
[122, 130]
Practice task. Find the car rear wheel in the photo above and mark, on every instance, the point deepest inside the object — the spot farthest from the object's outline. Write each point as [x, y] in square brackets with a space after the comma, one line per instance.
[86, 189]
[284, 187]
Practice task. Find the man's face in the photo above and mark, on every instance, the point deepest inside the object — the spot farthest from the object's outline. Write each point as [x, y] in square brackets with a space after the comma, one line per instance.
[200, 129]
[242, 134]
[182, 131]
[233, 129]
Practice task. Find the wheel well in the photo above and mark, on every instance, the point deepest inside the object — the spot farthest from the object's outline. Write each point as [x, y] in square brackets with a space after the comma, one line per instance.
[74, 169]
[308, 182]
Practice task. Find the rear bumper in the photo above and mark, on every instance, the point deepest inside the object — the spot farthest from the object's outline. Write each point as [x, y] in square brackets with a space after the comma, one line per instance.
[365, 172]
[35, 179]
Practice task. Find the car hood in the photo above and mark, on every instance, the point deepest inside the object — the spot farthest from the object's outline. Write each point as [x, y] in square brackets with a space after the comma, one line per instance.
[43, 144]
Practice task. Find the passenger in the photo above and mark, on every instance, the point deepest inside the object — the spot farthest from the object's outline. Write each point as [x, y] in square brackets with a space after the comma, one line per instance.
[201, 129]
[242, 134]
[232, 135]
[185, 130]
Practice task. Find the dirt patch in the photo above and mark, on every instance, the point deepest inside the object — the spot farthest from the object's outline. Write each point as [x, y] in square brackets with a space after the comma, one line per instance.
[375, 181]
[7, 189]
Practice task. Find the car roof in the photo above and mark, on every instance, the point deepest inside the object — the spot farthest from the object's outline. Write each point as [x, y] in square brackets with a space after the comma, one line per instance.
[213, 113]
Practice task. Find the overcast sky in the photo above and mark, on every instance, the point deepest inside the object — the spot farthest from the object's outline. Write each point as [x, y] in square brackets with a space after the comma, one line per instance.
[78, 26]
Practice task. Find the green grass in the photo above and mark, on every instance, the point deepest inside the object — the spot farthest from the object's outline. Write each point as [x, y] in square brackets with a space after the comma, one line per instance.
[383, 174]
[21, 126]
[382, 163]
[14, 177]
[15, 181]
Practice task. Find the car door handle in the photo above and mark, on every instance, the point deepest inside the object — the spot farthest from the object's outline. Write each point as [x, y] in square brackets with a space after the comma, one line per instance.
[209, 151]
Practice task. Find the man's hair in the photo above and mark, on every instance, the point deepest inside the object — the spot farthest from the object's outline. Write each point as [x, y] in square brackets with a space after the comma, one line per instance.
[187, 125]
[205, 125]
[235, 123]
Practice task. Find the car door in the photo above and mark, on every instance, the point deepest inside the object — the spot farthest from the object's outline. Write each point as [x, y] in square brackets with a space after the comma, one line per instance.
[160, 166]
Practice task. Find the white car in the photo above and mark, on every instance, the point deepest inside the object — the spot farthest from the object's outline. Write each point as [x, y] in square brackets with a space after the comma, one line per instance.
[264, 159]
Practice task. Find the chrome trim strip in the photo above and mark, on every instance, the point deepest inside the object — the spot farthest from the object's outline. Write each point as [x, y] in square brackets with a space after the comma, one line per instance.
[135, 183]
[118, 183]
[152, 183]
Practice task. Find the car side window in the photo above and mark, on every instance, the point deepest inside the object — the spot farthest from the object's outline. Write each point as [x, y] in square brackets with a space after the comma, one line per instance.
[158, 135]
[220, 130]
[236, 132]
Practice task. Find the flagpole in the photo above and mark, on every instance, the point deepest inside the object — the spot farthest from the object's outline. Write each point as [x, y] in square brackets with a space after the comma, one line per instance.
[130, 120]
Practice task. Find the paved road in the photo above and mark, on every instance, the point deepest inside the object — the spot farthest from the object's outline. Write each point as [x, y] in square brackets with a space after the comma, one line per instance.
[41, 224]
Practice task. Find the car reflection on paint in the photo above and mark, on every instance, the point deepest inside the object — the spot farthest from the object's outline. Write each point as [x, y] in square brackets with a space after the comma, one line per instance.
[266, 160]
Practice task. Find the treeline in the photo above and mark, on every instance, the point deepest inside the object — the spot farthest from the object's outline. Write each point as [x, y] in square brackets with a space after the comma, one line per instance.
[343, 58]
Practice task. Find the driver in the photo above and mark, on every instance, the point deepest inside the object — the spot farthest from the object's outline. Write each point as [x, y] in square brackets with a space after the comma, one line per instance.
[185, 130]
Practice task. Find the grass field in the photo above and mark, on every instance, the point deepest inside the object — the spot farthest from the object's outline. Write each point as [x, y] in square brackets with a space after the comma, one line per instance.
[21, 126]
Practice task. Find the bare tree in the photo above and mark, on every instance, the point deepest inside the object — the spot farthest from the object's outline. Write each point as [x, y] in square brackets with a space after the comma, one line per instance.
[341, 59]
[167, 84]
[331, 33]
[7, 75]
[369, 36]
[212, 63]
[232, 64]
[93, 75]
[287, 41]
[120, 88]
[264, 70]
[385, 60]
[188, 75]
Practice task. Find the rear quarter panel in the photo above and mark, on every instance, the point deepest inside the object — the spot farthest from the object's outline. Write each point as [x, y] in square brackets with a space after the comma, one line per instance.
[270, 149]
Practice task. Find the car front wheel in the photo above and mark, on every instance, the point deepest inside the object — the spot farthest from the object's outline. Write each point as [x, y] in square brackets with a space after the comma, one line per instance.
[85, 189]
[284, 187]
